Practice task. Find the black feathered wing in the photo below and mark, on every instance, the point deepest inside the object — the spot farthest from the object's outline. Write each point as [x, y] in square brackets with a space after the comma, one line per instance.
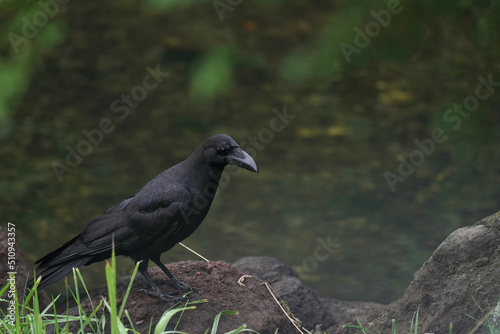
[139, 226]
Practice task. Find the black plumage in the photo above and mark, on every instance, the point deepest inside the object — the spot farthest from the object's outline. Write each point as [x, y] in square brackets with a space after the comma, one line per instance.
[164, 212]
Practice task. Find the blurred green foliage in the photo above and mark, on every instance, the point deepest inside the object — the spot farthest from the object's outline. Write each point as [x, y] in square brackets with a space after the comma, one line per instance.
[20, 53]
[167, 5]
[321, 59]
[213, 74]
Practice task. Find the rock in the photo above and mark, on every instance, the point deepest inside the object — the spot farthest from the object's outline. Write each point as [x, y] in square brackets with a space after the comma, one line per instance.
[459, 285]
[305, 303]
[348, 312]
[219, 283]
[268, 269]
[20, 267]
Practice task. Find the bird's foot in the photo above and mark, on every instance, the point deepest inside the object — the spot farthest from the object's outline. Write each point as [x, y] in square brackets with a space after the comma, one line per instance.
[162, 295]
[175, 282]
[185, 287]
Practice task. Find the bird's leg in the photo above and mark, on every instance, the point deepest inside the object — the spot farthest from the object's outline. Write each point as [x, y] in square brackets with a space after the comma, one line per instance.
[170, 275]
[143, 269]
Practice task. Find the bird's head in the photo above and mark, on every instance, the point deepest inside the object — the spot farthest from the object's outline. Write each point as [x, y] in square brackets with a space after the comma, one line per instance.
[222, 150]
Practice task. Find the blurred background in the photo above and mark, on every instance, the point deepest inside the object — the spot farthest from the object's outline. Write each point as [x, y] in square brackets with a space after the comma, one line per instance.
[360, 82]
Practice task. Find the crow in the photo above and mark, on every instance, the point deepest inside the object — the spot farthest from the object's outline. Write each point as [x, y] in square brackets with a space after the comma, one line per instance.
[163, 213]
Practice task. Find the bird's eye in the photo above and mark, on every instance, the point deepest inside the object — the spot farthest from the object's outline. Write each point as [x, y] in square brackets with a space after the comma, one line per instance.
[224, 148]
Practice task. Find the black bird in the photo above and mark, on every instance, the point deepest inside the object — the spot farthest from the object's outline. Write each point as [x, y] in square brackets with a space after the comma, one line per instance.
[164, 212]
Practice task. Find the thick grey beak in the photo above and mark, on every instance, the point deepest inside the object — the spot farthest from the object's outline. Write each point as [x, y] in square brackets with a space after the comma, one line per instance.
[242, 159]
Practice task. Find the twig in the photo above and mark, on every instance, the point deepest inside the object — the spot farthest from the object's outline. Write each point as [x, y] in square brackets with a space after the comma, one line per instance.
[192, 251]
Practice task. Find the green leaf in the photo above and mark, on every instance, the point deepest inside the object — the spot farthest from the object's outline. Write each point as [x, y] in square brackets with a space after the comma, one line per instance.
[217, 319]
[129, 287]
[111, 282]
[167, 315]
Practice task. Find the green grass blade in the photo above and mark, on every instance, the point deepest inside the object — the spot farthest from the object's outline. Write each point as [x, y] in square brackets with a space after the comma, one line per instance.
[359, 326]
[111, 282]
[477, 304]
[414, 322]
[29, 296]
[67, 301]
[217, 319]
[16, 309]
[92, 317]
[82, 316]
[180, 317]
[76, 296]
[165, 318]
[394, 329]
[5, 323]
[51, 305]
[238, 330]
[80, 277]
[200, 301]
[129, 287]
[127, 315]
[5, 287]
[117, 326]
[37, 318]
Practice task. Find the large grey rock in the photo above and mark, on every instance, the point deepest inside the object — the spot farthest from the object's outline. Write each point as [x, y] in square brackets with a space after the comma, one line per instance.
[459, 285]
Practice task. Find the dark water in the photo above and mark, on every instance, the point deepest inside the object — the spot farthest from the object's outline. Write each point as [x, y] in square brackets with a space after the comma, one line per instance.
[321, 202]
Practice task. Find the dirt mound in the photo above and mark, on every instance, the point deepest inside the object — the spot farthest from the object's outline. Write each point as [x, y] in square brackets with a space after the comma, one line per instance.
[219, 283]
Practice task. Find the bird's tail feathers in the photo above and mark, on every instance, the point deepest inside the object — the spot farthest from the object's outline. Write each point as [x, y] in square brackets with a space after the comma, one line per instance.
[55, 273]
[49, 259]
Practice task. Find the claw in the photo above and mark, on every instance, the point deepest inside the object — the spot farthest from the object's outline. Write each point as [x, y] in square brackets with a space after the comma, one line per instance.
[185, 287]
[162, 295]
